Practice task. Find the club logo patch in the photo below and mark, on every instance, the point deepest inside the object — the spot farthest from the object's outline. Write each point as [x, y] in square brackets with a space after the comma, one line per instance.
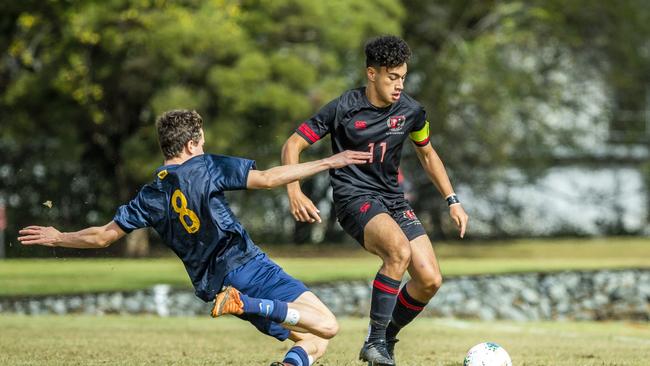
[360, 125]
[365, 207]
[409, 214]
[396, 123]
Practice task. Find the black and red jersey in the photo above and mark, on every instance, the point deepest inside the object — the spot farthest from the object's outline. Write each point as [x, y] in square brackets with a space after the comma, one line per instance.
[355, 124]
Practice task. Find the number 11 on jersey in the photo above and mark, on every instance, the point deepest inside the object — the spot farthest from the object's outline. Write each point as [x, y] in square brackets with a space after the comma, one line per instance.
[372, 151]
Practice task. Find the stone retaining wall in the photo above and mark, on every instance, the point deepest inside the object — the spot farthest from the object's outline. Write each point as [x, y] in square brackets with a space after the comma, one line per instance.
[593, 295]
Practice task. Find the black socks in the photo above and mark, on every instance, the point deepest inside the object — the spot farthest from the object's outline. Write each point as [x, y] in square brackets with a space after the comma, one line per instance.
[384, 295]
[406, 309]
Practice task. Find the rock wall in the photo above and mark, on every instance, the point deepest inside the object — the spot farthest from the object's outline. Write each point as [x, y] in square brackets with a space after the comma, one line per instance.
[593, 295]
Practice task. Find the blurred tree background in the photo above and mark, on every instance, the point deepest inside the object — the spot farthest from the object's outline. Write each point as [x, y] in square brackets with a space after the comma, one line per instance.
[516, 91]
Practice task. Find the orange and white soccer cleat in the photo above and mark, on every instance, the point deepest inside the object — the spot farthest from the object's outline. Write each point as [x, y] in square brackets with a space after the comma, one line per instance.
[227, 302]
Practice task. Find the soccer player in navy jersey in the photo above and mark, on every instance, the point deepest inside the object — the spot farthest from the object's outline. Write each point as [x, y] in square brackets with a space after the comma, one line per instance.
[186, 205]
[369, 202]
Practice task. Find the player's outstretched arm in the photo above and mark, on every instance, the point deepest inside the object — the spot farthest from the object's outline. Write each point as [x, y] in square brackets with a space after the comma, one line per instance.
[281, 175]
[92, 237]
[302, 208]
[436, 171]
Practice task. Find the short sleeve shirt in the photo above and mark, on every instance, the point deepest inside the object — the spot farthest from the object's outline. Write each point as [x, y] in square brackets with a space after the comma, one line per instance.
[355, 124]
[187, 207]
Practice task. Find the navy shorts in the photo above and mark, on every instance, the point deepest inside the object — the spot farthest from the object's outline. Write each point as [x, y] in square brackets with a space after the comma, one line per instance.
[262, 278]
[355, 215]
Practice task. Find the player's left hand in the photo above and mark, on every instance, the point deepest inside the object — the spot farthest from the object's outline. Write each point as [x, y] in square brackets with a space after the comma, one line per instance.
[40, 235]
[348, 157]
[459, 216]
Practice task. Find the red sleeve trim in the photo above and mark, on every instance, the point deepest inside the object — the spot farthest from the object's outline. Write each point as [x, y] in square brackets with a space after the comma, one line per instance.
[308, 132]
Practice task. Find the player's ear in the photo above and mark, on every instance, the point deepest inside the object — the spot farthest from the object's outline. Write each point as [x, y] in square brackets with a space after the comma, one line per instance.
[371, 73]
[190, 147]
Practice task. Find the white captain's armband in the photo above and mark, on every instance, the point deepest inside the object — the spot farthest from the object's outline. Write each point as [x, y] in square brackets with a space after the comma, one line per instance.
[421, 137]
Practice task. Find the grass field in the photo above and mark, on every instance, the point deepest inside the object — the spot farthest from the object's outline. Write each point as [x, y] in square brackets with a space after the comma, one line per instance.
[116, 340]
[322, 264]
[148, 340]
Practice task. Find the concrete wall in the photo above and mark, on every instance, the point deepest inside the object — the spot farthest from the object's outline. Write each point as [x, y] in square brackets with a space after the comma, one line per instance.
[593, 295]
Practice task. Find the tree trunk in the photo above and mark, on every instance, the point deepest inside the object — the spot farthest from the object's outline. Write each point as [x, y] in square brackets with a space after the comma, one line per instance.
[137, 244]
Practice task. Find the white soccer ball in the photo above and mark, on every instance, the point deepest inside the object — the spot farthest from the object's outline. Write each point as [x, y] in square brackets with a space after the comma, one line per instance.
[487, 354]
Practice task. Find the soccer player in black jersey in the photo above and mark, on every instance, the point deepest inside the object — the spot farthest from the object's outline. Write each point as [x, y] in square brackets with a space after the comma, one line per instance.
[369, 202]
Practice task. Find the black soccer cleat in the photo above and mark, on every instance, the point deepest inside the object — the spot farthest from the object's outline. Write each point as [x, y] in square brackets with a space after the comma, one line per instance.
[376, 354]
[390, 347]
[276, 363]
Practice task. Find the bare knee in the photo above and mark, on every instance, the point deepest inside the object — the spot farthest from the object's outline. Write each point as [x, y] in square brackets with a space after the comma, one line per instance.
[436, 282]
[397, 258]
[329, 327]
[427, 287]
[384, 237]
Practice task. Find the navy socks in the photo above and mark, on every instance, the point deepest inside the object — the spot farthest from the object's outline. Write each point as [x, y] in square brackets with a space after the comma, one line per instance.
[297, 356]
[274, 310]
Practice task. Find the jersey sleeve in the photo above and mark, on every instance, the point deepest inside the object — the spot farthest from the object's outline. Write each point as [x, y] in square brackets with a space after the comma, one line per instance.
[420, 132]
[319, 124]
[230, 173]
[134, 215]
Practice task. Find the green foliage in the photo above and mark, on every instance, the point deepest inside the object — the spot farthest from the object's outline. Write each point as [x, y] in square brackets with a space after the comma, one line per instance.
[508, 85]
[82, 83]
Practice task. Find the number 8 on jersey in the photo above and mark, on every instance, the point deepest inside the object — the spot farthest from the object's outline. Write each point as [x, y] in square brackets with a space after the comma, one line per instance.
[185, 212]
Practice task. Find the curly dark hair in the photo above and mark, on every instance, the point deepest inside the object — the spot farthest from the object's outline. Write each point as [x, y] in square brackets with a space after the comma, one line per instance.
[388, 51]
[176, 128]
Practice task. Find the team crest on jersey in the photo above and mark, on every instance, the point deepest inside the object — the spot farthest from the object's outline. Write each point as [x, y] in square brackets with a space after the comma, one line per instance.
[395, 123]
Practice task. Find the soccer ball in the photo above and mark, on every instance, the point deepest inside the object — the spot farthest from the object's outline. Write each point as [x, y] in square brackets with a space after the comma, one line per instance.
[487, 354]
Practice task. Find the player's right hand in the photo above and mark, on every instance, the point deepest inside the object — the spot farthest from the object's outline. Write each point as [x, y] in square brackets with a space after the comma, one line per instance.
[302, 208]
[40, 235]
[348, 157]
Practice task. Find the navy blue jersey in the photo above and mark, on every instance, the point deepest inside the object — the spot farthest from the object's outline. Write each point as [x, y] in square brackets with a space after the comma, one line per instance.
[355, 124]
[186, 205]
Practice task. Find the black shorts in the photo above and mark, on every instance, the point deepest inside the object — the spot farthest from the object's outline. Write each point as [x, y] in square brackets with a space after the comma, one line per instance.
[356, 213]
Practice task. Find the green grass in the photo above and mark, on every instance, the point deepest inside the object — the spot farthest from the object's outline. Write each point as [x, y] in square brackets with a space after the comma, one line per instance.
[65, 276]
[132, 340]
[314, 264]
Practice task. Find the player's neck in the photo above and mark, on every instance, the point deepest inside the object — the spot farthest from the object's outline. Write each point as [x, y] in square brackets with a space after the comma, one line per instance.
[178, 160]
[373, 98]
